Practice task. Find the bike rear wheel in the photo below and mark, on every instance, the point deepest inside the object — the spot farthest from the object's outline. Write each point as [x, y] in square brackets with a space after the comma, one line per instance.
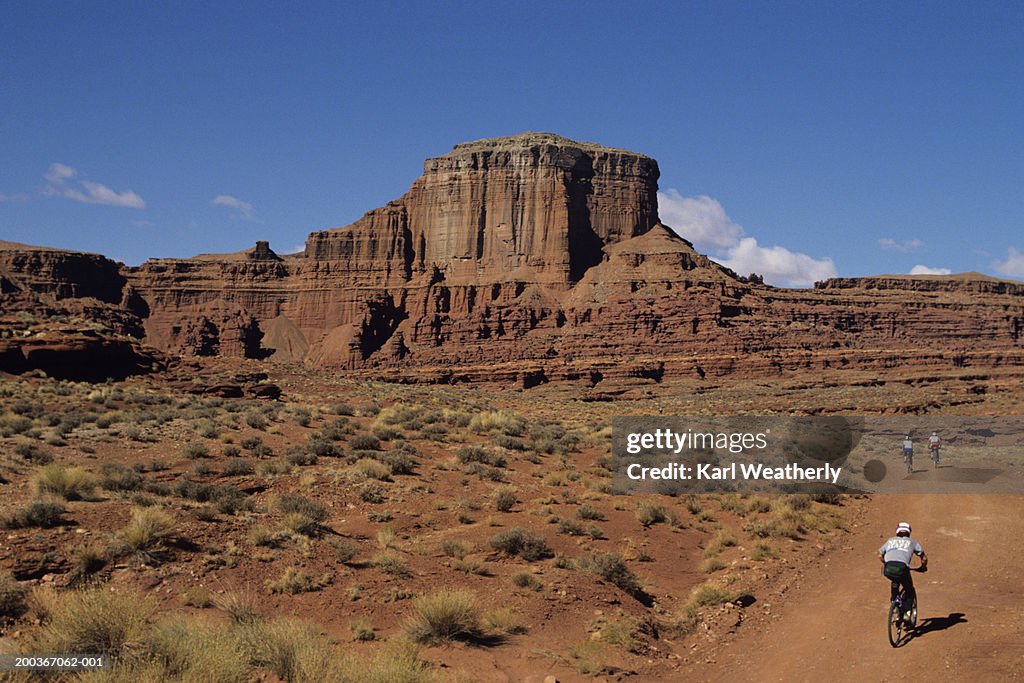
[895, 625]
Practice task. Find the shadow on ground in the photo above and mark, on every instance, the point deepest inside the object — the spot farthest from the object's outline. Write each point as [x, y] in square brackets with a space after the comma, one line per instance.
[933, 624]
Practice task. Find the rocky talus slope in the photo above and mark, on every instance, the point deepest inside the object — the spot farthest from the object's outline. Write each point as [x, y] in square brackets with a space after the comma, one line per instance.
[528, 259]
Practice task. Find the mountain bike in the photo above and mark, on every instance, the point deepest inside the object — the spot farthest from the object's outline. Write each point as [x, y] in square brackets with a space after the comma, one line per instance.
[908, 457]
[901, 615]
[935, 454]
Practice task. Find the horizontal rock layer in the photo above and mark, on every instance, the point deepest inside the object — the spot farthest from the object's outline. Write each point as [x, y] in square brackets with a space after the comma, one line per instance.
[535, 258]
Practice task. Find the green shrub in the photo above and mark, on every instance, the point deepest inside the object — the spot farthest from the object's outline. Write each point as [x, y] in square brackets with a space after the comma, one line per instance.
[570, 527]
[612, 568]
[32, 453]
[526, 580]
[484, 456]
[38, 513]
[526, 544]
[118, 477]
[236, 467]
[364, 442]
[300, 457]
[195, 450]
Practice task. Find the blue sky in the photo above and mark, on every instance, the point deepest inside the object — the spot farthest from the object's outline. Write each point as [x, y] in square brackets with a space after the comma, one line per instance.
[803, 139]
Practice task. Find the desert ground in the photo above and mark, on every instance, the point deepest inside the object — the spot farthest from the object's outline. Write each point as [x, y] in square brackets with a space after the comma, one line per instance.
[326, 527]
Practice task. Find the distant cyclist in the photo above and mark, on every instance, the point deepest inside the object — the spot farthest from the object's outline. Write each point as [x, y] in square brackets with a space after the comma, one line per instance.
[908, 453]
[934, 442]
[895, 556]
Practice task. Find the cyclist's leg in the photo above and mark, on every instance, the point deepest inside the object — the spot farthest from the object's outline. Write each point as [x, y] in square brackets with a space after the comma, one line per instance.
[909, 593]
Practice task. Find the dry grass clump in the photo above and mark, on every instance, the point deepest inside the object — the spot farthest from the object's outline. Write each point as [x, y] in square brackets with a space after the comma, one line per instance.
[95, 620]
[504, 498]
[589, 512]
[390, 563]
[86, 561]
[294, 581]
[712, 565]
[12, 596]
[69, 483]
[504, 621]
[145, 534]
[188, 650]
[240, 606]
[527, 580]
[709, 594]
[445, 615]
[368, 468]
[648, 513]
[509, 424]
[301, 515]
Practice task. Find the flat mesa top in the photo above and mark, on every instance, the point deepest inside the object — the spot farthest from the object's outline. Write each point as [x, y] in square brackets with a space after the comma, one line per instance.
[532, 139]
[17, 246]
[968, 276]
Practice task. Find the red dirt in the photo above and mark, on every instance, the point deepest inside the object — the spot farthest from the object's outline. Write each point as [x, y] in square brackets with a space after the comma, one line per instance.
[830, 623]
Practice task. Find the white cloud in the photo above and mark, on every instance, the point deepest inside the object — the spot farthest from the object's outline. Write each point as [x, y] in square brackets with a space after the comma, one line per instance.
[1013, 266]
[244, 209]
[905, 245]
[778, 264]
[58, 173]
[703, 221]
[62, 181]
[928, 270]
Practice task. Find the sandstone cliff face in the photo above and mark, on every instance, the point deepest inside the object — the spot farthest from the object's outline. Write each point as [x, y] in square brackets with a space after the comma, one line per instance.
[64, 274]
[529, 259]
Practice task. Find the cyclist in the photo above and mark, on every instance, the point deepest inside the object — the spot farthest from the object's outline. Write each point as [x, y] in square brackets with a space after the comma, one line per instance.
[895, 556]
[933, 446]
[908, 452]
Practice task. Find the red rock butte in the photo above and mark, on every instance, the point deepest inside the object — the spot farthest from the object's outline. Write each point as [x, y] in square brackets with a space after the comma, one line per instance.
[523, 259]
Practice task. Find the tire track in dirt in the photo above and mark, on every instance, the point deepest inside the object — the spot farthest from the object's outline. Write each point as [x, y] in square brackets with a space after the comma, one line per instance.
[832, 624]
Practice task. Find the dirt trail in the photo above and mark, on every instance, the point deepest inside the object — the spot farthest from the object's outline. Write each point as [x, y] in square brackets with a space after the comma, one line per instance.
[831, 624]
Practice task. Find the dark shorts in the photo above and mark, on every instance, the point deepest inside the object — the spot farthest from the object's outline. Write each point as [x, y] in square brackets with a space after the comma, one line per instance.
[894, 571]
[908, 451]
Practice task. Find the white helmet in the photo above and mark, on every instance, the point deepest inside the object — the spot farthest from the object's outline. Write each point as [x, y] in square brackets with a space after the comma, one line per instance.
[903, 528]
